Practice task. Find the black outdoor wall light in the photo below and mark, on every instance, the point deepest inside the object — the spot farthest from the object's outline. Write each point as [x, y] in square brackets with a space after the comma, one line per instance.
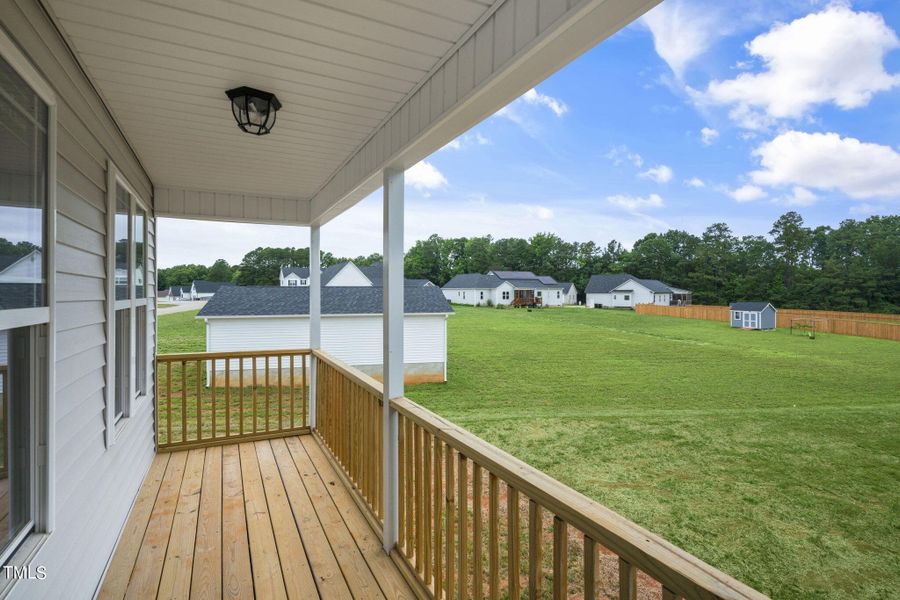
[254, 110]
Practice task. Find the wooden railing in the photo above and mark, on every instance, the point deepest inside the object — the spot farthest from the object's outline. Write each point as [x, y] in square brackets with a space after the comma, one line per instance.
[211, 398]
[475, 522]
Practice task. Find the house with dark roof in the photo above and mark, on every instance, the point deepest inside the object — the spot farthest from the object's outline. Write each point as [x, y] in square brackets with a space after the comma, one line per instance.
[621, 290]
[344, 274]
[241, 318]
[753, 315]
[204, 290]
[509, 287]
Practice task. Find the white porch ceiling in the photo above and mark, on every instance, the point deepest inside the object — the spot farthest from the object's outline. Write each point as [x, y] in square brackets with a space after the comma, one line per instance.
[346, 71]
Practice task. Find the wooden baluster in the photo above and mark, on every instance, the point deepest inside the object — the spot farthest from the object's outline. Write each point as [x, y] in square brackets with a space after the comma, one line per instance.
[168, 402]
[590, 568]
[627, 580]
[279, 358]
[535, 545]
[462, 478]
[212, 390]
[303, 390]
[420, 496]
[401, 478]
[241, 393]
[291, 365]
[266, 410]
[513, 541]
[450, 540]
[411, 508]
[560, 559]
[199, 402]
[493, 537]
[438, 518]
[254, 393]
[184, 427]
[477, 537]
[426, 505]
[227, 397]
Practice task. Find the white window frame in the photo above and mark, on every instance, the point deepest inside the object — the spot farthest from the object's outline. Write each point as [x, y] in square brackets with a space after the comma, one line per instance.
[737, 315]
[114, 422]
[303, 282]
[23, 549]
[292, 282]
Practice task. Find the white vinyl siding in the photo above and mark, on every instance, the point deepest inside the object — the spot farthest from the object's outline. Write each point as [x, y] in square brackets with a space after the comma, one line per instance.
[94, 486]
[350, 276]
[356, 340]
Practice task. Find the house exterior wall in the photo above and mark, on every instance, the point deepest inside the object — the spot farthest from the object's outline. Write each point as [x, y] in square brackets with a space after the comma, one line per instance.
[94, 485]
[350, 276]
[615, 299]
[552, 297]
[472, 297]
[572, 296]
[497, 294]
[768, 318]
[355, 340]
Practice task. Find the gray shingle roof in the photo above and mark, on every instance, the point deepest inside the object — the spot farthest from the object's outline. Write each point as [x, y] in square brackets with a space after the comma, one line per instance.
[338, 300]
[470, 281]
[209, 287]
[603, 284]
[749, 306]
[547, 279]
[567, 286]
[301, 272]
[515, 274]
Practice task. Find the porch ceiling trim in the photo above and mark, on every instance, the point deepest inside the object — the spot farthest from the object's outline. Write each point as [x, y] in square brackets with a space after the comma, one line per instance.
[232, 207]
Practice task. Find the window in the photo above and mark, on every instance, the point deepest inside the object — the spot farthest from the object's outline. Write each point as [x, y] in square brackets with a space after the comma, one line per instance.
[128, 266]
[737, 315]
[557, 294]
[27, 178]
[292, 283]
[506, 295]
[539, 294]
[303, 282]
[627, 297]
[481, 295]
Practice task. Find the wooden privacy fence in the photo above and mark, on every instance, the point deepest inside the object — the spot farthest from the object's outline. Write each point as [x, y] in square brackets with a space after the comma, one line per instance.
[872, 325]
[211, 398]
[475, 522]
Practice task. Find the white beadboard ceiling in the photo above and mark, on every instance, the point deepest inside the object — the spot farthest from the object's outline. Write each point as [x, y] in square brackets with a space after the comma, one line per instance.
[346, 72]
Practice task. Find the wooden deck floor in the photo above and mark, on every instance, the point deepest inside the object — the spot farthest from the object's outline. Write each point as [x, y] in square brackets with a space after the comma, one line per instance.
[265, 519]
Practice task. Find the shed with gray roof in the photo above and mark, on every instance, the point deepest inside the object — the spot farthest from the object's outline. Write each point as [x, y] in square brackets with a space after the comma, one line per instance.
[753, 315]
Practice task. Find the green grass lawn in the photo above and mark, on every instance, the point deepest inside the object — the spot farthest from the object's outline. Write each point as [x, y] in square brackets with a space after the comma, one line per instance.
[773, 457]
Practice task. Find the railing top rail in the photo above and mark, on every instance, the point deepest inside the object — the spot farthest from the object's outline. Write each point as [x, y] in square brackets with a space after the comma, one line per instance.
[366, 381]
[678, 570]
[175, 357]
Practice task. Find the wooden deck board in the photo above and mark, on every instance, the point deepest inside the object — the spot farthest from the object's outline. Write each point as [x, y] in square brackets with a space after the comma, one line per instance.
[251, 520]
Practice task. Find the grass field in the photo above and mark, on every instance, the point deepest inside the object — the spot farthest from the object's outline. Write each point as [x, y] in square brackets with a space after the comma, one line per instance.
[774, 457]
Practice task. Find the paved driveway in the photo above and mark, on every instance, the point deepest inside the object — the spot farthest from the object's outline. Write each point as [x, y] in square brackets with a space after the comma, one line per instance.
[183, 307]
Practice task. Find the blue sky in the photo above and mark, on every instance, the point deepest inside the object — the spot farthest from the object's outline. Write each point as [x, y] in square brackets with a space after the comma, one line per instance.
[697, 113]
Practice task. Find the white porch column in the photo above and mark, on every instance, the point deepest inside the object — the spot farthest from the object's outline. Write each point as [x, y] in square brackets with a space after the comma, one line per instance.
[315, 312]
[393, 343]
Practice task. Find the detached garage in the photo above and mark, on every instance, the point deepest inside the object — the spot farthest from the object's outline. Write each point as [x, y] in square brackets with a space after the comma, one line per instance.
[264, 318]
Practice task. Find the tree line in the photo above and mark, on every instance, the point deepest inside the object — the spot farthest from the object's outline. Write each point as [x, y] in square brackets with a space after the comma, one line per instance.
[854, 266]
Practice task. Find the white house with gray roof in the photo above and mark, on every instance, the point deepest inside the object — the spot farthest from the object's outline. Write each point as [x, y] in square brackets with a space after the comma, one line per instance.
[244, 318]
[346, 274]
[621, 290]
[504, 287]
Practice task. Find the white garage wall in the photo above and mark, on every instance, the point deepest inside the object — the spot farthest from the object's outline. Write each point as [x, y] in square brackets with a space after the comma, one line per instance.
[353, 339]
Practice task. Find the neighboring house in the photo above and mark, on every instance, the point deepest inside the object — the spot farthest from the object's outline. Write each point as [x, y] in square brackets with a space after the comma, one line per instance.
[508, 287]
[293, 276]
[204, 290]
[256, 317]
[621, 290]
[26, 268]
[753, 315]
[344, 274]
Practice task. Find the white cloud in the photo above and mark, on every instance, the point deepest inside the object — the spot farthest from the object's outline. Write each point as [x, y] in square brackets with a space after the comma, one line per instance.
[659, 174]
[636, 203]
[708, 135]
[747, 193]
[423, 176]
[833, 56]
[694, 182]
[521, 110]
[800, 196]
[468, 139]
[620, 154]
[533, 96]
[826, 161]
[538, 212]
[682, 31]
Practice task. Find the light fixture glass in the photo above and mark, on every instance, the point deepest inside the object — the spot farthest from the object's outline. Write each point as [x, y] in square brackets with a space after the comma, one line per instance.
[254, 110]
